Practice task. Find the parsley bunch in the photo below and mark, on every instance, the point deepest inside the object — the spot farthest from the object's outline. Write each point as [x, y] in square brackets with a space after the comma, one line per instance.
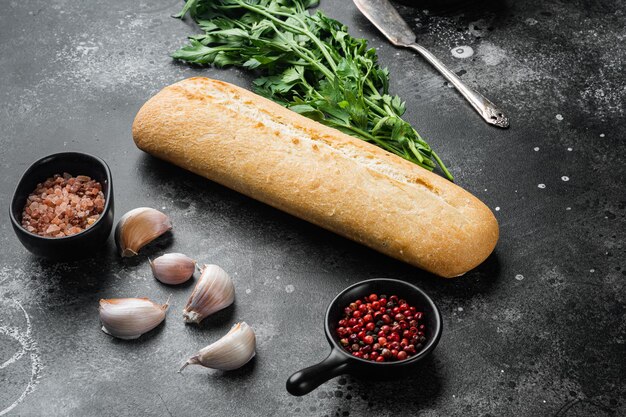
[308, 63]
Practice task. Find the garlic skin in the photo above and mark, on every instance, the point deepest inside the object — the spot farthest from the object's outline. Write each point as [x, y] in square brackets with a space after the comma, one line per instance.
[139, 227]
[129, 318]
[173, 268]
[213, 292]
[230, 352]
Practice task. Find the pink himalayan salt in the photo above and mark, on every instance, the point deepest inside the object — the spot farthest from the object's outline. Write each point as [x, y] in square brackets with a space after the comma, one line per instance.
[63, 206]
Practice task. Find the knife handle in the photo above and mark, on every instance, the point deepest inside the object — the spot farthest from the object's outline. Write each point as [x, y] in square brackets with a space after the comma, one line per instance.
[481, 104]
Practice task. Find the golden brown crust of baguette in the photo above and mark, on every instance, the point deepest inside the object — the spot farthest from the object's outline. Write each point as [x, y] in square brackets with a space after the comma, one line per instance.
[261, 149]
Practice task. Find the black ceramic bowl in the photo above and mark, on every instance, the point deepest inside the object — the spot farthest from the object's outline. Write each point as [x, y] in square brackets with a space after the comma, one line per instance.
[341, 362]
[82, 244]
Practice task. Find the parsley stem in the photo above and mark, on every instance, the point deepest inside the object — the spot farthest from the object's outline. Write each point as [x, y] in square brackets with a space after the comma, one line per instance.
[269, 14]
[303, 53]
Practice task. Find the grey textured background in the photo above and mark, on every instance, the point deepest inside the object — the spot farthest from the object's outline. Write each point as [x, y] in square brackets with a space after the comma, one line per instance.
[539, 329]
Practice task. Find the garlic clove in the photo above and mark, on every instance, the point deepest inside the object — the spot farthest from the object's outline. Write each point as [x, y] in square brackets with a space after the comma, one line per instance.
[129, 318]
[230, 352]
[213, 292]
[173, 268]
[139, 227]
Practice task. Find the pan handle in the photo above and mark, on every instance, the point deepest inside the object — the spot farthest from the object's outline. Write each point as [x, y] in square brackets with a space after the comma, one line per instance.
[306, 380]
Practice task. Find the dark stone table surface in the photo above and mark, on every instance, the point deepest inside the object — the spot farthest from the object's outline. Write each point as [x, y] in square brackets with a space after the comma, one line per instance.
[538, 329]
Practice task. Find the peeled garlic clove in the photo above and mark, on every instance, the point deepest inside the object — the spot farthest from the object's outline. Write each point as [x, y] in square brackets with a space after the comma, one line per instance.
[139, 227]
[213, 292]
[173, 268]
[129, 318]
[232, 351]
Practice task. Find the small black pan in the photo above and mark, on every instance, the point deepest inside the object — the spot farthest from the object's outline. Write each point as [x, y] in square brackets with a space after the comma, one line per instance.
[341, 362]
[82, 244]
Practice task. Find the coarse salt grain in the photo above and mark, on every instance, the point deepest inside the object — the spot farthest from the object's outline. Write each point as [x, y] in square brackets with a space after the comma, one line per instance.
[63, 205]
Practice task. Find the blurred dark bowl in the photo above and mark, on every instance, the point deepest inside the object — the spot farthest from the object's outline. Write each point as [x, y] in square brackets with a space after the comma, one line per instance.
[432, 4]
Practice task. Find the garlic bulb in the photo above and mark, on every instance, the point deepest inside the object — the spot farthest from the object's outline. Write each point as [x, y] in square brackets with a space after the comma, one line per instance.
[129, 318]
[139, 227]
[173, 268]
[213, 292]
[232, 351]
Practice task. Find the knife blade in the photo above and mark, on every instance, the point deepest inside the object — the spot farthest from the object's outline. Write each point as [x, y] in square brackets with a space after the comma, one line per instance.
[388, 21]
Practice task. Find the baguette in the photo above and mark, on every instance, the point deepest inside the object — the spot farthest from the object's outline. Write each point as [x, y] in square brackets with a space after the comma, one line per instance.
[346, 185]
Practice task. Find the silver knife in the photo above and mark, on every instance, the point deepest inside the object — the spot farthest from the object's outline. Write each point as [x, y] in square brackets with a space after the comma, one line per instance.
[386, 18]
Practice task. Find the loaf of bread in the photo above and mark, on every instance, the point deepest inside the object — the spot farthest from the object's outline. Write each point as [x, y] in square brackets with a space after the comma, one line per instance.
[263, 150]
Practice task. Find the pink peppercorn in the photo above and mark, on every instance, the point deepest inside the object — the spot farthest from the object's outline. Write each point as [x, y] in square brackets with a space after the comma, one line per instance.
[381, 329]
